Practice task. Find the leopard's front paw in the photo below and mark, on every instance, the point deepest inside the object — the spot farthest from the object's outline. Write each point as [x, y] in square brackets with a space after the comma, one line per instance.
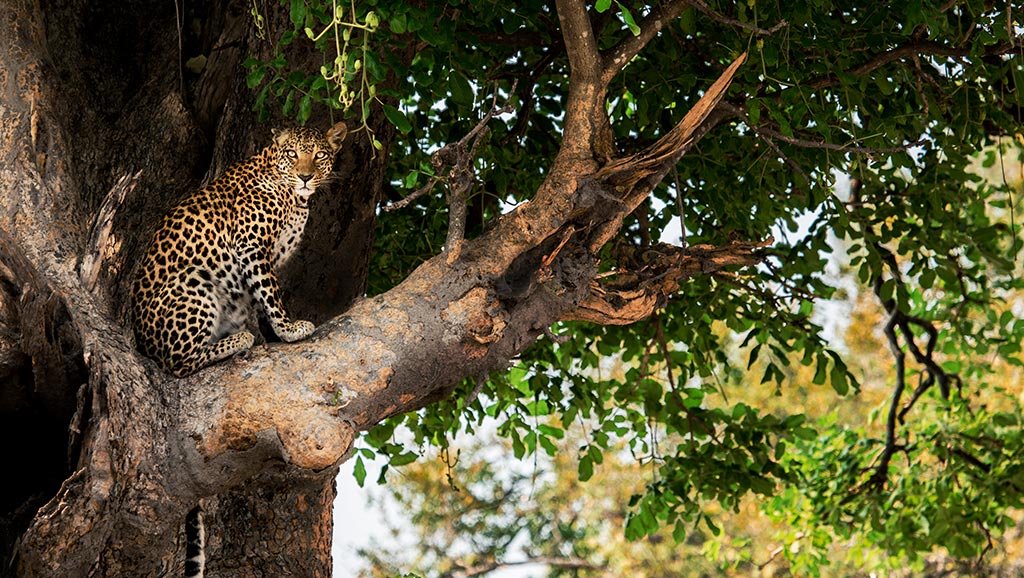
[295, 330]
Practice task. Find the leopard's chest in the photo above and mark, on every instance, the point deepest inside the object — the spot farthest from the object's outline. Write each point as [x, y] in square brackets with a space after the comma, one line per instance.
[291, 233]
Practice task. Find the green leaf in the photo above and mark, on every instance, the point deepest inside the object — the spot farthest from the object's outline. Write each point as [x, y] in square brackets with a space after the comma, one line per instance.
[839, 381]
[398, 119]
[627, 17]
[820, 370]
[462, 92]
[585, 468]
[603, 5]
[359, 471]
[679, 532]
[255, 77]
[399, 23]
[289, 102]
[375, 68]
[297, 14]
[548, 445]
[551, 431]
[410, 182]
[403, 459]
[754, 111]
[305, 109]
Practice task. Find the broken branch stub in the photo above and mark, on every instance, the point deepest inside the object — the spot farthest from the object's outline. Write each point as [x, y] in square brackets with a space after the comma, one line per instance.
[627, 171]
[634, 294]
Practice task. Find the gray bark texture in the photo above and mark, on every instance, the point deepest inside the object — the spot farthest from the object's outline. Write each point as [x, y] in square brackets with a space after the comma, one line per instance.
[102, 129]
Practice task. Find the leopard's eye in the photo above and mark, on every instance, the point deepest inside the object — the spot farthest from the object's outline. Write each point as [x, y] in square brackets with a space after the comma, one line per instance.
[321, 155]
[292, 154]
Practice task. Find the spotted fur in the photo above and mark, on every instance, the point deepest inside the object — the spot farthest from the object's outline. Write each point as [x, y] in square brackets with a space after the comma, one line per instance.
[213, 258]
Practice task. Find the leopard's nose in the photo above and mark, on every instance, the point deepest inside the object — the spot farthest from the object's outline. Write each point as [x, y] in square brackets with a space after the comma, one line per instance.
[306, 178]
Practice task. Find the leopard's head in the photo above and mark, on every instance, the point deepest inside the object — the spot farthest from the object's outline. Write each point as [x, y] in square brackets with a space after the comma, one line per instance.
[304, 156]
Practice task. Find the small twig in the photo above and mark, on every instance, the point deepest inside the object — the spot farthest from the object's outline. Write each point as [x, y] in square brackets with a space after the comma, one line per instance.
[792, 164]
[401, 204]
[659, 334]
[479, 386]
[806, 143]
[459, 156]
[775, 553]
[680, 207]
[721, 19]
[764, 132]
[488, 567]
[565, 239]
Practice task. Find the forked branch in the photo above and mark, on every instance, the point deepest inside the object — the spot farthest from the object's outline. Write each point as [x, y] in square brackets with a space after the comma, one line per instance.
[649, 26]
[458, 159]
[655, 273]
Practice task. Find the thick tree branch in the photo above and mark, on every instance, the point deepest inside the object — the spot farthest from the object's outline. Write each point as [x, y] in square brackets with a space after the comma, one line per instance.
[580, 43]
[587, 133]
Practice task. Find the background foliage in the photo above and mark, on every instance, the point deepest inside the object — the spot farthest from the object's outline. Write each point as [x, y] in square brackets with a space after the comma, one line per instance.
[895, 98]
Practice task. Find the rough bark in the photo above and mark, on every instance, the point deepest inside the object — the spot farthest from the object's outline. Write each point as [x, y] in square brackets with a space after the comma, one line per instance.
[93, 96]
[100, 135]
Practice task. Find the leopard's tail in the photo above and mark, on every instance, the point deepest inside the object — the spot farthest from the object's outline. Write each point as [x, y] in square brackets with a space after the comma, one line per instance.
[195, 543]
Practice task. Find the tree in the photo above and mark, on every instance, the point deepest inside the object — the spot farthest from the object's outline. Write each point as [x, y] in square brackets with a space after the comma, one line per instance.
[471, 509]
[101, 135]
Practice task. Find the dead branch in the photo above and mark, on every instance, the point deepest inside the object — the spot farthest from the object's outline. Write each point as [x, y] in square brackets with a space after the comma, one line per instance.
[462, 175]
[404, 202]
[635, 294]
[458, 158]
[664, 153]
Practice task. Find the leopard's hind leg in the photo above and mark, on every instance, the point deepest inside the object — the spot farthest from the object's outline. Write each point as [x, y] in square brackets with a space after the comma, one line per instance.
[199, 320]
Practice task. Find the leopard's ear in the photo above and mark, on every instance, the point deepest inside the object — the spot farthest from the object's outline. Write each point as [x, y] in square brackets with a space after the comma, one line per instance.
[336, 135]
[280, 135]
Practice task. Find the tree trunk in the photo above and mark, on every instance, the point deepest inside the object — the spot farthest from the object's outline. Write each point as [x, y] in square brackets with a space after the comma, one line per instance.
[102, 130]
[96, 91]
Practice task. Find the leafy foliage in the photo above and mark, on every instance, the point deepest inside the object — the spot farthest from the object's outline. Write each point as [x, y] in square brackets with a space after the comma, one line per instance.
[898, 98]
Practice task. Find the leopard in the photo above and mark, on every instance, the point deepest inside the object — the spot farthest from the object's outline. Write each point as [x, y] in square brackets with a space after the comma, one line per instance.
[212, 261]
